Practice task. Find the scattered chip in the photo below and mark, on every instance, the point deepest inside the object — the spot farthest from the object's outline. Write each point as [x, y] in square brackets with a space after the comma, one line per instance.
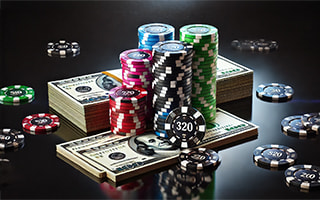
[260, 45]
[63, 49]
[305, 177]
[293, 126]
[274, 156]
[16, 95]
[198, 159]
[11, 139]
[42, 123]
[311, 121]
[274, 92]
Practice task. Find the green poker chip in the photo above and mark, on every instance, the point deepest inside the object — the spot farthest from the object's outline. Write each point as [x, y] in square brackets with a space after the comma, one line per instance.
[199, 31]
[16, 94]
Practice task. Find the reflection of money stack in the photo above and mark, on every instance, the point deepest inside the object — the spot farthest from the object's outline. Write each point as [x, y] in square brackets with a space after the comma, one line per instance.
[84, 99]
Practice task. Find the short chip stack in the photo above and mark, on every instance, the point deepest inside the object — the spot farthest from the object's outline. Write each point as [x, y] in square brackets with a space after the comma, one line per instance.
[204, 39]
[150, 34]
[136, 71]
[172, 80]
[63, 49]
[127, 107]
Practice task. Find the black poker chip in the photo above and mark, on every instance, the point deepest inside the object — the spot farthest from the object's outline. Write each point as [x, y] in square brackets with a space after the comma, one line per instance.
[185, 126]
[11, 139]
[306, 177]
[311, 121]
[293, 126]
[198, 159]
[275, 92]
[260, 45]
[63, 49]
[274, 156]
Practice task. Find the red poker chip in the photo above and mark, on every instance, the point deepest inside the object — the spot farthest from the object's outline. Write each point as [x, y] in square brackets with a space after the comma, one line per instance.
[125, 115]
[41, 123]
[144, 73]
[128, 122]
[127, 132]
[128, 126]
[141, 84]
[126, 104]
[141, 111]
[136, 56]
[139, 80]
[123, 107]
[126, 94]
[137, 66]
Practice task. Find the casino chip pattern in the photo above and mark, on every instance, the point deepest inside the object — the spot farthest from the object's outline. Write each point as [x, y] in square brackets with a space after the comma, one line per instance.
[204, 39]
[127, 110]
[172, 84]
[185, 127]
[63, 49]
[150, 34]
[41, 123]
[136, 71]
[11, 139]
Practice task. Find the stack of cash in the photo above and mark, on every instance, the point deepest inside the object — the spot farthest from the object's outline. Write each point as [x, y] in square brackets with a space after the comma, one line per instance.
[83, 100]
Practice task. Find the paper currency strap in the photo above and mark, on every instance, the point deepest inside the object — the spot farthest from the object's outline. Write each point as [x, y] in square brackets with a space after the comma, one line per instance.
[112, 76]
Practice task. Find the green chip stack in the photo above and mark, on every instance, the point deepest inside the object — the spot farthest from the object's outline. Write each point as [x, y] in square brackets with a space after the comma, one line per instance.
[204, 39]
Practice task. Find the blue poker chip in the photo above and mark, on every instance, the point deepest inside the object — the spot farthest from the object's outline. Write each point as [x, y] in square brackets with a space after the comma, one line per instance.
[293, 126]
[156, 30]
[305, 177]
[274, 156]
[275, 92]
[161, 134]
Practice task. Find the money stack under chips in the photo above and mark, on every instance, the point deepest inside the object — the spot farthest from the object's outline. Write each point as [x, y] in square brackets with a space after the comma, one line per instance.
[204, 39]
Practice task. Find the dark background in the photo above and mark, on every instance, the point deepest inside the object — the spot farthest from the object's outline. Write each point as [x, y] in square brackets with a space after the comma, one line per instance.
[106, 28]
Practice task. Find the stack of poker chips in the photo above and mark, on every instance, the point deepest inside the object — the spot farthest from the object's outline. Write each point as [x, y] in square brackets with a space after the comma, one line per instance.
[150, 34]
[172, 80]
[127, 107]
[136, 71]
[204, 39]
[16, 95]
[63, 49]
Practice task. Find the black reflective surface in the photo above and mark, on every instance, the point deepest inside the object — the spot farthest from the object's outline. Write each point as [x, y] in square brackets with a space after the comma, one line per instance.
[106, 28]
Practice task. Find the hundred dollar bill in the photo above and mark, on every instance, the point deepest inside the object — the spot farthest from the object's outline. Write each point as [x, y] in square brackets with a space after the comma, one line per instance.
[127, 157]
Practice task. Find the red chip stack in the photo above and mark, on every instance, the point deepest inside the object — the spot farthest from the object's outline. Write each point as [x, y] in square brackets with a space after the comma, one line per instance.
[127, 110]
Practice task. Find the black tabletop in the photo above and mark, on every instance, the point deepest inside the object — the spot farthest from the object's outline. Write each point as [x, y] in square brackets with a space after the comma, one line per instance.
[106, 28]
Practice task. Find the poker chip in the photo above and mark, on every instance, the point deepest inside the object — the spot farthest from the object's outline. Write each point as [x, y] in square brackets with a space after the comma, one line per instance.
[42, 123]
[274, 156]
[63, 49]
[293, 126]
[11, 139]
[127, 110]
[311, 121]
[185, 127]
[172, 80]
[274, 92]
[306, 177]
[198, 159]
[204, 39]
[16, 95]
[260, 45]
[150, 34]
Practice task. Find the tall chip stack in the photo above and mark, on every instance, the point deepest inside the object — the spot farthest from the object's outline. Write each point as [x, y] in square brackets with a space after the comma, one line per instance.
[136, 71]
[172, 84]
[204, 39]
[150, 34]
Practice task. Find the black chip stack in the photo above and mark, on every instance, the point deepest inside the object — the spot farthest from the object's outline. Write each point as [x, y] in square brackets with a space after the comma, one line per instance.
[172, 82]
